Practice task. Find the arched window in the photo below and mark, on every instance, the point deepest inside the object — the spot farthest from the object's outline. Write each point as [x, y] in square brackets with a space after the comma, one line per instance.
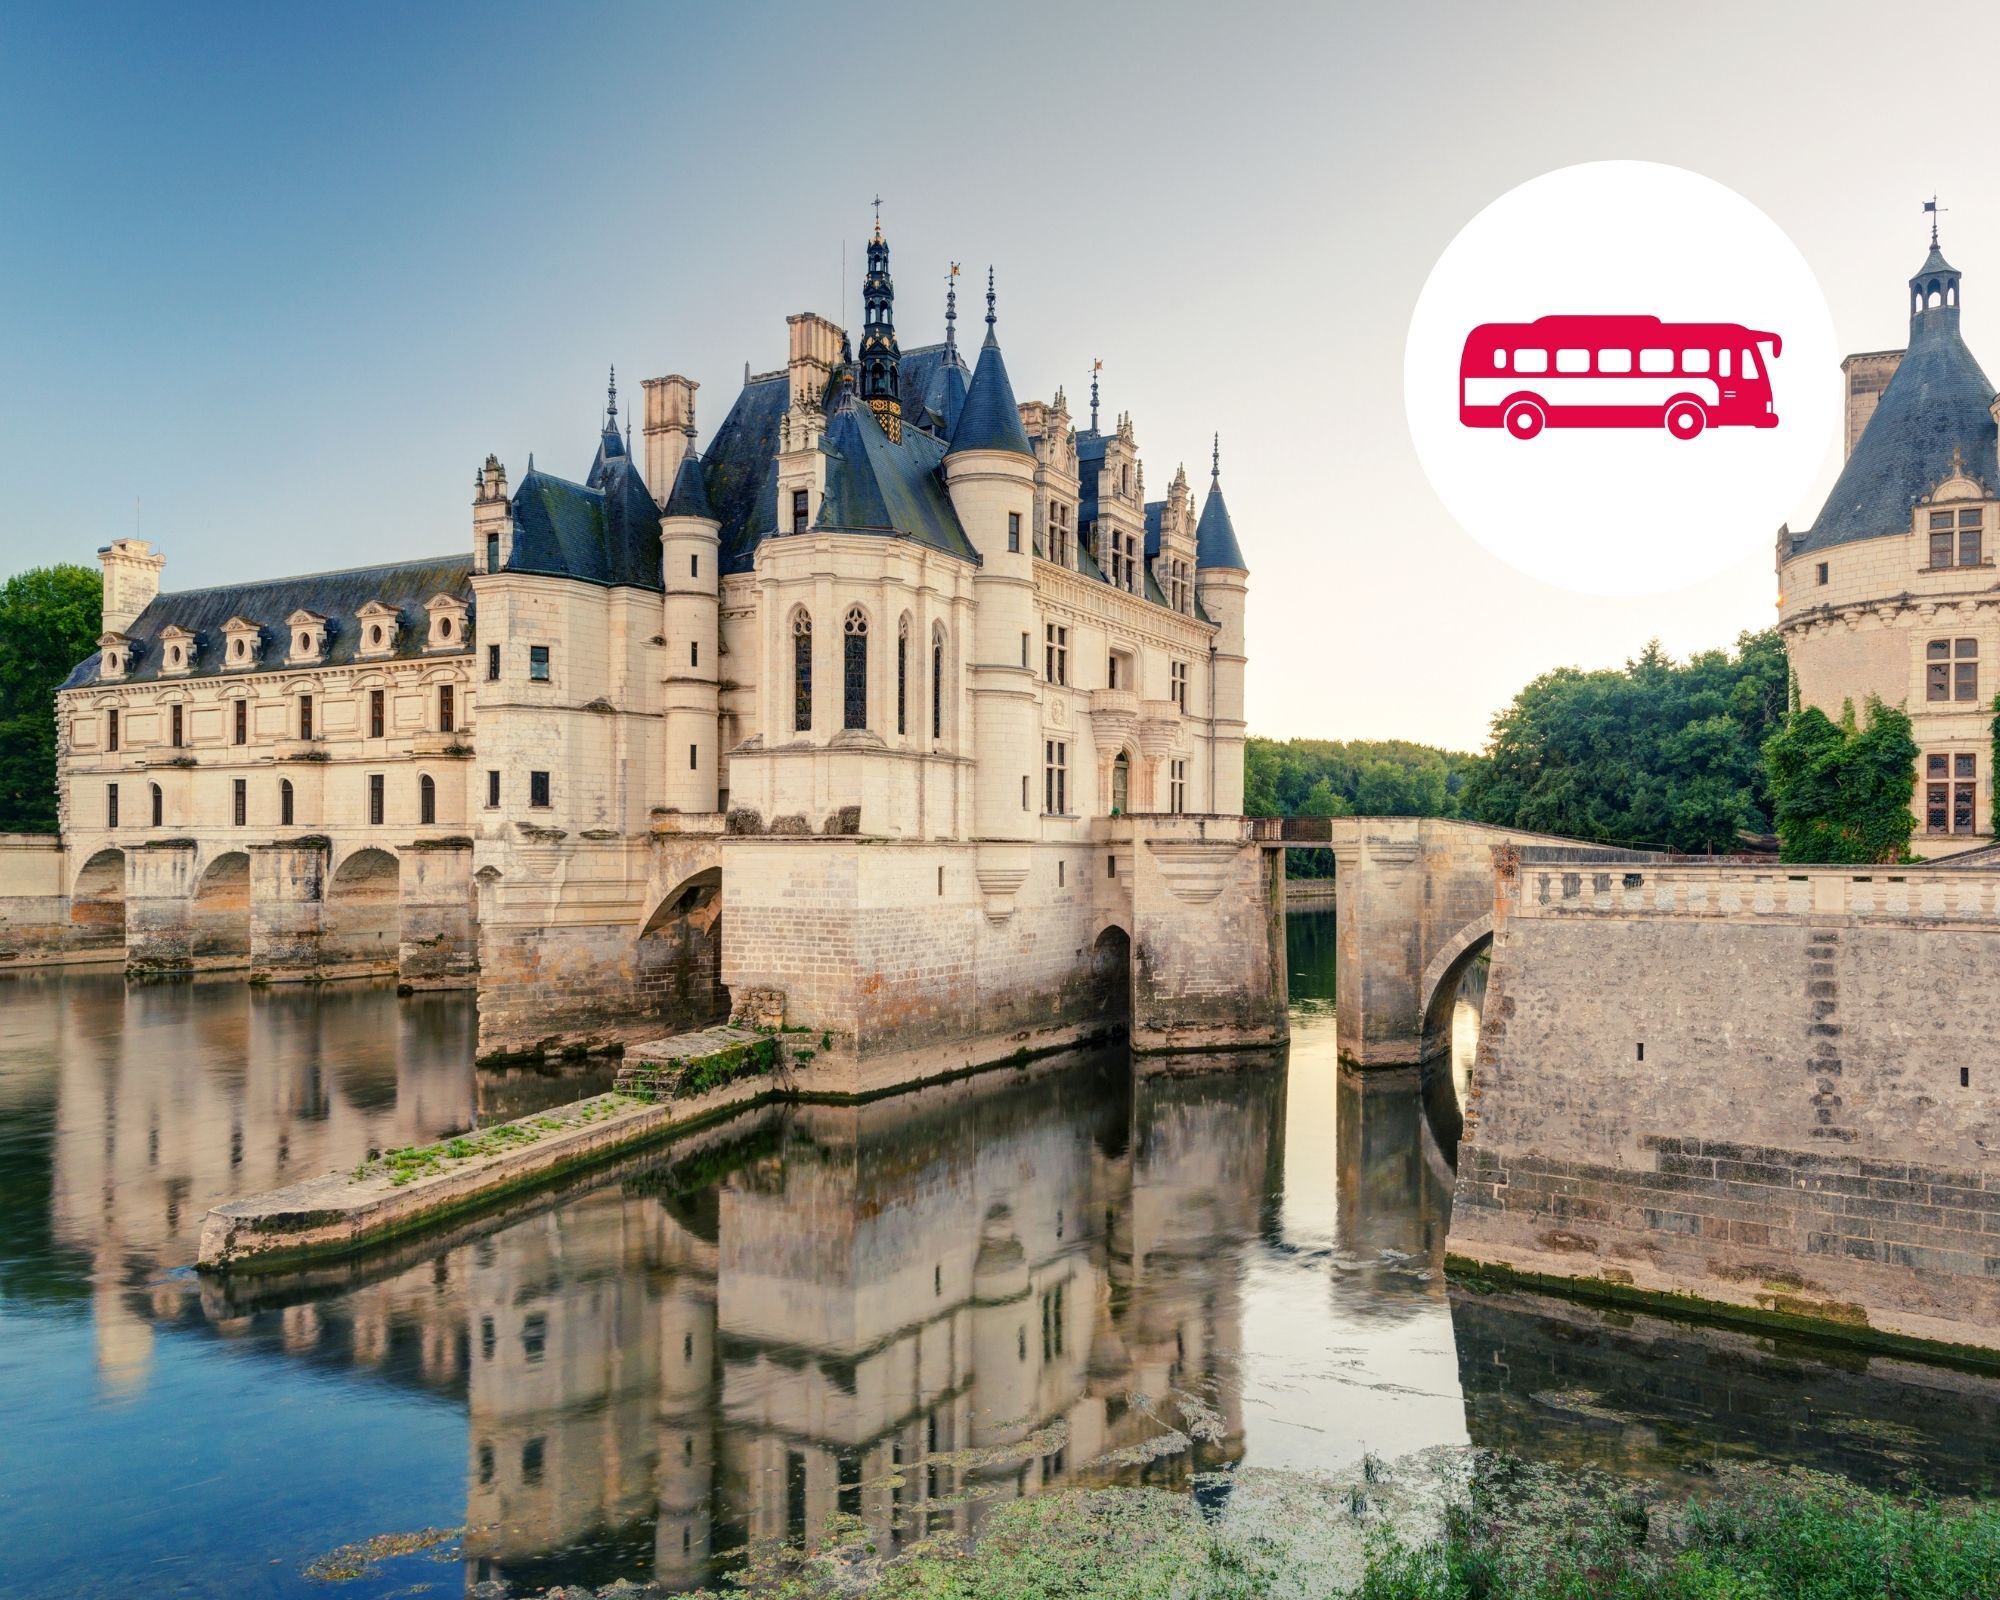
[159, 806]
[854, 670]
[903, 675]
[937, 684]
[427, 799]
[1121, 784]
[802, 672]
[285, 802]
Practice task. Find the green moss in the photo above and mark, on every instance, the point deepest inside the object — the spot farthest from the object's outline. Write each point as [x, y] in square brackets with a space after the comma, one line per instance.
[685, 1077]
[422, 1161]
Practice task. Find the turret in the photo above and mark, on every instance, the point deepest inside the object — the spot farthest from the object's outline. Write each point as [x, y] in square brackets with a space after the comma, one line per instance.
[690, 563]
[492, 518]
[131, 579]
[1222, 584]
[879, 357]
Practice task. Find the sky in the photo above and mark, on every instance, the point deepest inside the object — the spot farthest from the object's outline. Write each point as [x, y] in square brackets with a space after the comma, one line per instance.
[283, 275]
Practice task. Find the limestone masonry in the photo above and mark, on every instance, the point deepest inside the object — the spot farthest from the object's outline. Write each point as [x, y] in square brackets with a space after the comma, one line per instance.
[900, 702]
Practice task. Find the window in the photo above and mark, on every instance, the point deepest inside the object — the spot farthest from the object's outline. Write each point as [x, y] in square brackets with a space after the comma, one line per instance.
[427, 799]
[1614, 361]
[903, 676]
[1950, 792]
[1111, 674]
[1177, 690]
[694, 566]
[1013, 532]
[376, 801]
[493, 552]
[1061, 868]
[1531, 361]
[1121, 784]
[111, 733]
[1965, 669]
[492, 788]
[492, 663]
[285, 802]
[179, 728]
[111, 805]
[377, 712]
[1572, 361]
[1656, 361]
[1820, 573]
[937, 686]
[854, 670]
[538, 790]
[799, 502]
[447, 708]
[694, 652]
[1055, 653]
[802, 673]
[242, 715]
[159, 806]
[239, 808]
[1024, 791]
[305, 716]
[1052, 1323]
[538, 663]
[1968, 538]
[1059, 548]
[1177, 786]
[1024, 651]
[694, 758]
[1055, 778]
[1694, 361]
[1941, 541]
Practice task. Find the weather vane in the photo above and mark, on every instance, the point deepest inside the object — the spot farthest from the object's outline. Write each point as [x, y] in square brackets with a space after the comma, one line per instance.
[1935, 210]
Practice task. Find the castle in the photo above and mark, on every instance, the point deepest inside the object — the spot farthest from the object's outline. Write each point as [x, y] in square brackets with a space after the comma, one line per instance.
[1891, 591]
[899, 713]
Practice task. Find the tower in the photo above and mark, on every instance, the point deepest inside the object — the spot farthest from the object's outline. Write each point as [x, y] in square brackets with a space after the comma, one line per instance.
[131, 579]
[878, 356]
[1222, 584]
[690, 561]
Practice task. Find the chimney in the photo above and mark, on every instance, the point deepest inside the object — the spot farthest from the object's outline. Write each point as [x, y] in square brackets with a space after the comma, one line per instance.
[669, 430]
[131, 579]
[815, 347]
[1864, 378]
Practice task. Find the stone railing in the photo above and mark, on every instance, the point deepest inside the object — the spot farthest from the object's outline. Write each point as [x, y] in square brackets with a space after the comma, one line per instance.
[1738, 890]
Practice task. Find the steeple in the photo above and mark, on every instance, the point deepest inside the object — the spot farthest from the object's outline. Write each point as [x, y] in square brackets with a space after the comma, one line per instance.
[880, 357]
[1215, 535]
[611, 447]
[990, 420]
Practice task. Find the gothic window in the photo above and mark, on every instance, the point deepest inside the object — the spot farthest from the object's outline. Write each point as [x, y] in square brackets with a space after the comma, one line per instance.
[1121, 784]
[903, 676]
[1055, 778]
[854, 670]
[802, 672]
[159, 806]
[1951, 669]
[427, 799]
[285, 802]
[1055, 653]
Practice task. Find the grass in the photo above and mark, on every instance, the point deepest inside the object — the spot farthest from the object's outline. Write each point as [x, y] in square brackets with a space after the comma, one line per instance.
[411, 1162]
[684, 1077]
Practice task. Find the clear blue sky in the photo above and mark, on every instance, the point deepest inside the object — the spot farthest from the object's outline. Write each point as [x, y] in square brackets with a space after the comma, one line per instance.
[288, 273]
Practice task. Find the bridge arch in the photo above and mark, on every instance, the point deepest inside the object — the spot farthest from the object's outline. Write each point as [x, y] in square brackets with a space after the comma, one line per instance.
[1438, 990]
[363, 911]
[97, 903]
[222, 911]
[678, 961]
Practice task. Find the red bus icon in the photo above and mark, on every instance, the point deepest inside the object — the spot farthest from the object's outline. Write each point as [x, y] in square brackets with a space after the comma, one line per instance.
[1616, 372]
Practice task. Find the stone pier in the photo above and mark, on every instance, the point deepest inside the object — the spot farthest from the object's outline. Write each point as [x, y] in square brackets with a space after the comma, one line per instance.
[439, 943]
[160, 877]
[287, 908]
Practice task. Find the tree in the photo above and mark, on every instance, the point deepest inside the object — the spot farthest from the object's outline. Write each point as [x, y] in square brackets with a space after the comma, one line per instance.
[49, 621]
[1334, 778]
[1841, 793]
[1656, 754]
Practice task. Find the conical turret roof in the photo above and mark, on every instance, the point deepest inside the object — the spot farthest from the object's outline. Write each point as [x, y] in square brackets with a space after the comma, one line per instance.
[689, 495]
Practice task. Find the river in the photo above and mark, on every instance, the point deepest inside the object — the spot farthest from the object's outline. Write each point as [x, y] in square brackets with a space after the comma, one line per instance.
[902, 1311]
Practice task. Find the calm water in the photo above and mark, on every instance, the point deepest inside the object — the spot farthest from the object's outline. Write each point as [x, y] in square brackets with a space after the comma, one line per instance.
[904, 1310]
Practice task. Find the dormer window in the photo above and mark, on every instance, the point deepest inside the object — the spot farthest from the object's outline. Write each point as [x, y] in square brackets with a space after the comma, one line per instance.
[378, 624]
[116, 658]
[242, 640]
[309, 633]
[1956, 537]
[448, 617]
[176, 651]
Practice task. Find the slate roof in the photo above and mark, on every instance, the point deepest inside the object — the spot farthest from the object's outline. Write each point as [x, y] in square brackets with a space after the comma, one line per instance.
[1935, 404]
[932, 380]
[740, 469]
[688, 496]
[991, 420]
[403, 585]
[1215, 535]
[608, 535]
[876, 485]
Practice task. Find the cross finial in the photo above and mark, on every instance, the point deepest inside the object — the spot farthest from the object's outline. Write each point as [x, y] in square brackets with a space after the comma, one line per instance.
[1096, 366]
[1215, 460]
[878, 219]
[1935, 210]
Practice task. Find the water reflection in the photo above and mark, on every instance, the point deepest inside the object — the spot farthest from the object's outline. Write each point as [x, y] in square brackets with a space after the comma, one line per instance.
[903, 1311]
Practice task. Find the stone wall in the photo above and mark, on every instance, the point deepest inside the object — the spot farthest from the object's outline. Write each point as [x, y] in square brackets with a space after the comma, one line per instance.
[1766, 1088]
[34, 904]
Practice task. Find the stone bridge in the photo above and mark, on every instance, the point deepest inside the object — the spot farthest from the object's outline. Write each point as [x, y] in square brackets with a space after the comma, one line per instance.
[1415, 902]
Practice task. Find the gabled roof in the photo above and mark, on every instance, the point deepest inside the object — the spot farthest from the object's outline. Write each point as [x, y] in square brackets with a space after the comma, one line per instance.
[608, 535]
[1215, 535]
[990, 420]
[878, 485]
[266, 605]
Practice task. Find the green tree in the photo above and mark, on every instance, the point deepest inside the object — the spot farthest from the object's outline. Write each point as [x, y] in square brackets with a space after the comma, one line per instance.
[49, 621]
[1658, 753]
[1841, 793]
[1335, 778]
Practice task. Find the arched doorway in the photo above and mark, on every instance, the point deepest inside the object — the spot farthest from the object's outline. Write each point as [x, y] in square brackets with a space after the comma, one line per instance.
[97, 903]
[679, 961]
[222, 912]
[1111, 978]
[362, 925]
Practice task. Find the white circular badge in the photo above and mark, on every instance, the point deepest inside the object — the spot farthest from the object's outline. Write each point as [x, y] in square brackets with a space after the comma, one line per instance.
[1621, 377]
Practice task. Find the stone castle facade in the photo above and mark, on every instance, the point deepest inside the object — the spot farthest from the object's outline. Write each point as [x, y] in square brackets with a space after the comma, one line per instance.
[898, 711]
[1892, 591]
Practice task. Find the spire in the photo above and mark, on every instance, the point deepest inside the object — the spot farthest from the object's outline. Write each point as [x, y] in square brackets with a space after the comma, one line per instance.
[880, 357]
[1215, 460]
[1215, 535]
[1934, 291]
[611, 404]
[1934, 209]
[1096, 366]
[951, 310]
[990, 419]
